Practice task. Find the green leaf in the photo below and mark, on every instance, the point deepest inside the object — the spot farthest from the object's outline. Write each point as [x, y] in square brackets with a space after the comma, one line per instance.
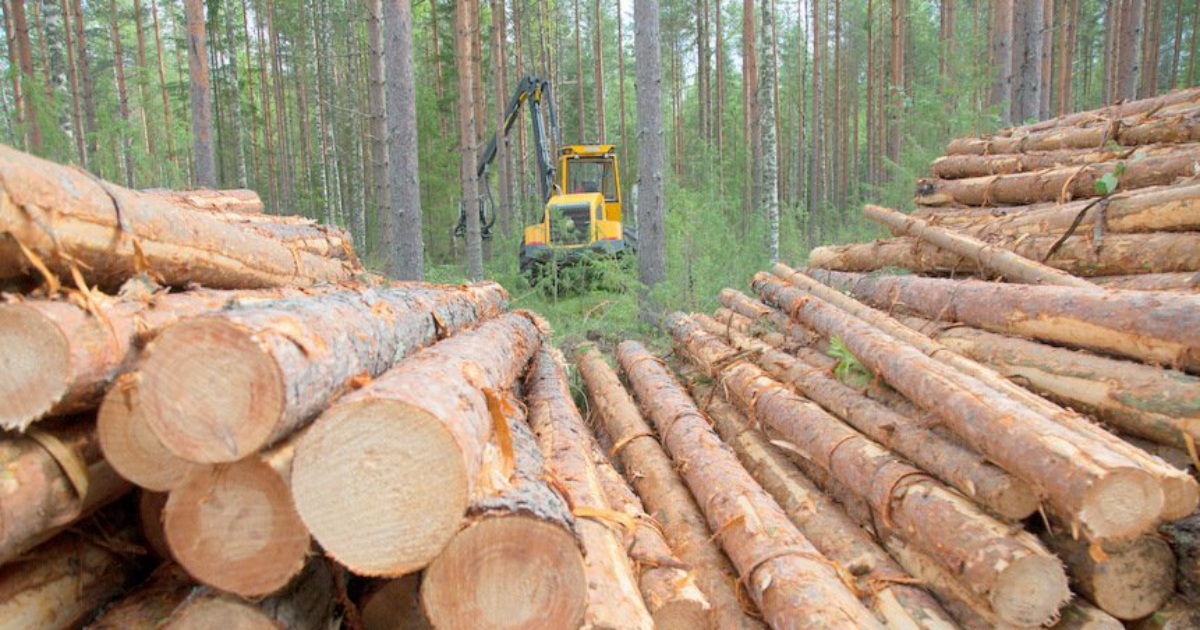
[1106, 185]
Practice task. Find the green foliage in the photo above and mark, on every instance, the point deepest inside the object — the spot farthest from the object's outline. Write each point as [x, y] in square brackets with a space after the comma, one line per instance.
[849, 369]
[1107, 184]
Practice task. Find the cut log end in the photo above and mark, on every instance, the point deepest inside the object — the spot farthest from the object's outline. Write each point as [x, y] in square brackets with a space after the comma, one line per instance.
[1030, 590]
[36, 362]
[681, 614]
[1136, 581]
[235, 528]
[210, 392]
[1123, 504]
[381, 485]
[1181, 494]
[513, 572]
[132, 448]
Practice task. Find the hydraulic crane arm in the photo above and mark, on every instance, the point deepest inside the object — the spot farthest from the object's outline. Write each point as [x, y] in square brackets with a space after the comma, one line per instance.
[535, 93]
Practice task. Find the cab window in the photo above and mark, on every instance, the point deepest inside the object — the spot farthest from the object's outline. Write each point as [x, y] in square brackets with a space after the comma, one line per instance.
[592, 175]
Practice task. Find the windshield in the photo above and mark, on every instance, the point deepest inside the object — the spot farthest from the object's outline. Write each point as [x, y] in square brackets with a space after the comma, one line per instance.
[592, 175]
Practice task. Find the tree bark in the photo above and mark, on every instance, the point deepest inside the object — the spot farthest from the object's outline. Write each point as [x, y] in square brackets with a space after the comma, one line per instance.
[766, 116]
[1075, 486]
[613, 597]
[69, 220]
[61, 584]
[1128, 57]
[958, 466]
[378, 125]
[1120, 254]
[205, 174]
[982, 552]
[1172, 125]
[129, 445]
[405, 258]
[1181, 492]
[1139, 400]
[436, 403]
[220, 387]
[1158, 209]
[234, 527]
[650, 471]
[33, 129]
[122, 97]
[464, 43]
[790, 580]
[1189, 282]
[650, 206]
[1001, 16]
[1061, 184]
[1013, 266]
[666, 584]
[965, 165]
[1100, 320]
[73, 352]
[57, 476]
[894, 601]
[517, 562]
[1127, 580]
[598, 61]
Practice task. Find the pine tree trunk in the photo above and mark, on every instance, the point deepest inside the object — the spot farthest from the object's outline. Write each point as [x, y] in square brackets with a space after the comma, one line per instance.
[579, 98]
[239, 132]
[621, 72]
[441, 402]
[202, 126]
[122, 97]
[718, 110]
[168, 128]
[405, 258]
[500, 85]
[598, 60]
[895, 131]
[1128, 57]
[437, 62]
[464, 27]
[1001, 16]
[767, 118]
[650, 149]
[378, 129]
[33, 130]
[73, 75]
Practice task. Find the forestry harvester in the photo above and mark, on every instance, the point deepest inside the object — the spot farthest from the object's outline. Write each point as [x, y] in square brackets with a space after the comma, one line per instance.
[582, 211]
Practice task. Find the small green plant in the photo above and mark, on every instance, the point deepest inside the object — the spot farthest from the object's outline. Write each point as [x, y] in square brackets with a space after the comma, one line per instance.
[1108, 183]
[849, 369]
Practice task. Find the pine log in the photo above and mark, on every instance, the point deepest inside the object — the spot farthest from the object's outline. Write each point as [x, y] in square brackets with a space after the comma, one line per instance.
[1179, 281]
[1155, 209]
[61, 583]
[129, 445]
[394, 605]
[1162, 252]
[53, 477]
[1181, 492]
[1128, 580]
[1179, 614]
[62, 355]
[958, 466]
[1015, 267]
[666, 584]
[886, 588]
[1159, 328]
[70, 220]
[1064, 183]
[1184, 536]
[1080, 485]
[240, 200]
[301, 233]
[383, 478]
[1181, 97]
[234, 526]
[960, 166]
[733, 320]
[614, 600]
[219, 387]
[1173, 124]
[792, 583]
[517, 562]
[1022, 582]
[669, 503]
[750, 307]
[1152, 403]
[170, 601]
[150, 517]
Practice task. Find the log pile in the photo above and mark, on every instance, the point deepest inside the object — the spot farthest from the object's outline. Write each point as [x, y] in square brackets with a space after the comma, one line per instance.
[1007, 422]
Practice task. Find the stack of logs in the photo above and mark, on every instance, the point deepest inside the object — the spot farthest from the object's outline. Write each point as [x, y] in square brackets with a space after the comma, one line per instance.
[1008, 420]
